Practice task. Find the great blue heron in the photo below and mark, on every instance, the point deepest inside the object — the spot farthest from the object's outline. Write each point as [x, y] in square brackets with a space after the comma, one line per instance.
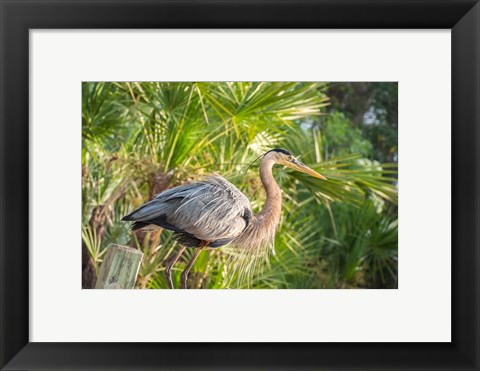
[213, 212]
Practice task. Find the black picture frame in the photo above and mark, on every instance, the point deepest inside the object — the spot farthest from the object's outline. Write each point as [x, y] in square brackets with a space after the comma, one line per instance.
[18, 16]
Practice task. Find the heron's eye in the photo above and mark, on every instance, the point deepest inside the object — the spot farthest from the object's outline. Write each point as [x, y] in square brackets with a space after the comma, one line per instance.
[290, 158]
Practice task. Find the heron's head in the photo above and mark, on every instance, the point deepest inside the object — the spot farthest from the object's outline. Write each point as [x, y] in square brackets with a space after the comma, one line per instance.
[283, 157]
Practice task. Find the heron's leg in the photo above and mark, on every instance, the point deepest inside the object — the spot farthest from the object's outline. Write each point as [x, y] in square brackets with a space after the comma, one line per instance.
[168, 270]
[184, 276]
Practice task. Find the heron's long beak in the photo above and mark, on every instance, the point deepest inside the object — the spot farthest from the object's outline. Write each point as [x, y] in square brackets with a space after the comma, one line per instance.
[297, 165]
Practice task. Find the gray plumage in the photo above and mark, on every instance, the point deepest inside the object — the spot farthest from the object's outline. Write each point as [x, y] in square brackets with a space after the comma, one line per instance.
[212, 210]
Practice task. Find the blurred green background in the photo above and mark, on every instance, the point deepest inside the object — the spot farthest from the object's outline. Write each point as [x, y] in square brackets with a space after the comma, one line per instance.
[142, 138]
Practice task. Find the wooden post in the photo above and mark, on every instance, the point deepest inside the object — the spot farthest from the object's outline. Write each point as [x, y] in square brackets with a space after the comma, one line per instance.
[120, 267]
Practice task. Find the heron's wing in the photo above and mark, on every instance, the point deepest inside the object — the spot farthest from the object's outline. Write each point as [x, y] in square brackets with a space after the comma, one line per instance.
[210, 210]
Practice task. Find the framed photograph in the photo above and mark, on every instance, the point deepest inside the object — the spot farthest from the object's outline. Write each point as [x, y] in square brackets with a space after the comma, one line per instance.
[304, 175]
[157, 156]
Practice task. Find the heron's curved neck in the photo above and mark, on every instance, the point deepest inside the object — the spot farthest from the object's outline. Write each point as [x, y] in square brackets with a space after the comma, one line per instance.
[273, 203]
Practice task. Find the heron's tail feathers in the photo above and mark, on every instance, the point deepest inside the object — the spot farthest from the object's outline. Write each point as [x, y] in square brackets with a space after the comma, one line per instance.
[138, 225]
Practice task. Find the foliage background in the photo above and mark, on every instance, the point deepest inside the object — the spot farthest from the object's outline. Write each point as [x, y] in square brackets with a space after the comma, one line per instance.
[142, 138]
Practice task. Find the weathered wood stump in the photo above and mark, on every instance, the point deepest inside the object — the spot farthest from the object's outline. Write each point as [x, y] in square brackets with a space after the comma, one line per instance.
[120, 267]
